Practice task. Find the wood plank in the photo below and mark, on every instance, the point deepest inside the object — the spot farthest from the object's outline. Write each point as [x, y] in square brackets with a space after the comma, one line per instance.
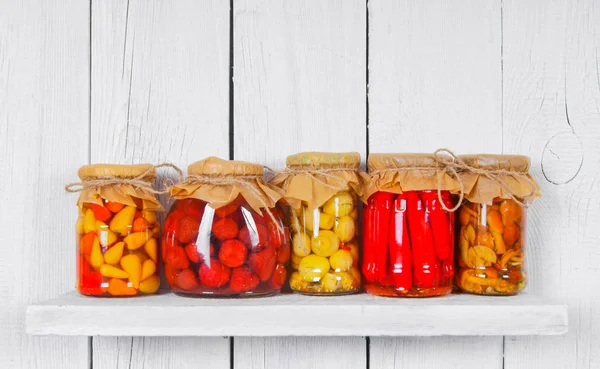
[44, 86]
[551, 112]
[296, 315]
[300, 69]
[159, 93]
[435, 81]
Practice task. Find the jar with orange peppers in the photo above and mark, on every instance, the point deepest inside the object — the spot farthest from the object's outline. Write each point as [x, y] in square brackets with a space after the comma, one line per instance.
[322, 189]
[224, 235]
[408, 228]
[491, 237]
[117, 230]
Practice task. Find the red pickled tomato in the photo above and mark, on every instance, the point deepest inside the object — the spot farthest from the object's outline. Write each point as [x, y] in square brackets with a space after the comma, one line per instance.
[278, 278]
[186, 279]
[254, 236]
[188, 230]
[263, 262]
[192, 252]
[172, 222]
[284, 253]
[114, 207]
[177, 258]
[170, 275]
[101, 213]
[225, 228]
[192, 207]
[215, 275]
[233, 253]
[230, 208]
[243, 280]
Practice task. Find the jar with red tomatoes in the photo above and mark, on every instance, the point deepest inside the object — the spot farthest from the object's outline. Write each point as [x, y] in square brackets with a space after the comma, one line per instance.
[491, 239]
[224, 235]
[408, 230]
[117, 230]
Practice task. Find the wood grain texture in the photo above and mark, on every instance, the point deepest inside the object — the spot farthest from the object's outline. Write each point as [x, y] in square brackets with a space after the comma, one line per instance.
[298, 315]
[159, 93]
[299, 85]
[552, 113]
[435, 81]
[44, 59]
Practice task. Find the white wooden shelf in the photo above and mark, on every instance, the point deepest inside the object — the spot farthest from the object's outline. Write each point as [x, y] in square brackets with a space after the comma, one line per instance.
[167, 314]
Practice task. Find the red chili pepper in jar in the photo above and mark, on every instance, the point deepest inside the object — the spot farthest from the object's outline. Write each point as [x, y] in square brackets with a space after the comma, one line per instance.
[376, 232]
[441, 226]
[425, 264]
[399, 244]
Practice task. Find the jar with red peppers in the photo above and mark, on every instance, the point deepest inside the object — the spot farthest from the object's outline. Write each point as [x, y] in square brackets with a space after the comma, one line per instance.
[322, 189]
[224, 235]
[408, 230]
[491, 237]
[117, 230]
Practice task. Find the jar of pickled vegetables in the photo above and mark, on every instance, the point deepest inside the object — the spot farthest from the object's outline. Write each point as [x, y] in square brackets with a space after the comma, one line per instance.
[408, 230]
[491, 237]
[117, 230]
[322, 191]
[224, 235]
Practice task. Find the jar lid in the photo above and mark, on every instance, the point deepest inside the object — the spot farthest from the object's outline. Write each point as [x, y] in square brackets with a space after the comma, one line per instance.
[117, 170]
[401, 161]
[350, 160]
[517, 163]
[217, 166]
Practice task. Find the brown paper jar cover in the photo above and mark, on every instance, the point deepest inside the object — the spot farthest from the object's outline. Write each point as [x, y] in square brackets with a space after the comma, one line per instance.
[219, 182]
[481, 189]
[122, 193]
[397, 173]
[314, 177]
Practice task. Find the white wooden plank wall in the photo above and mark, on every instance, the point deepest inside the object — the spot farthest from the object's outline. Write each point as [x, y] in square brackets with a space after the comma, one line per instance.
[44, 111]
[429, 75]
[148, 81]
[552, 113]
[299, 85]
[160, 91]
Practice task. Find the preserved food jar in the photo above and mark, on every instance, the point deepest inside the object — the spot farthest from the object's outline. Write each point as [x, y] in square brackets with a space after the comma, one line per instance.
[224, 235]
[322, 190]
[408, 228]
[117, 230]
[491, 239]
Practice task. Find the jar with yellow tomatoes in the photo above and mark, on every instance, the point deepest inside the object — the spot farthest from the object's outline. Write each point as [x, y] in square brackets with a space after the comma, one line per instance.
[117, 230]
[323, 191]
[491, 238]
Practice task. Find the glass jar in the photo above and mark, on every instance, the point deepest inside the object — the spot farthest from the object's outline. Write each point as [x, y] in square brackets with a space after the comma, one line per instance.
[117, 232]
[491, 254]
[408, 244]
[325, 256]
[233, 250]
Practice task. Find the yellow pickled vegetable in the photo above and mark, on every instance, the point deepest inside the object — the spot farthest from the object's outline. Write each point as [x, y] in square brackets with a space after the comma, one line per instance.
[301, 244]
[499, 243]
[79, 226]
[296, 282]
[341, 261]
[106, 236]
[151, 248]
[494, 221]
[132, 265]
[318, 219]
[325, 244]
[121, 222]
[150, 284]
[136, 240]
[96, 258]
[141, 254]
[111, 271]
[150, 216]
[345, 229]
[331, 282]
[113, 255]
[296, 260]
[339, 205]
[312, 268]
[148, 269]
[470, 234]
[348, 281]
[354, 213]
[485, 253]
[89, 221]
[354, 252]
